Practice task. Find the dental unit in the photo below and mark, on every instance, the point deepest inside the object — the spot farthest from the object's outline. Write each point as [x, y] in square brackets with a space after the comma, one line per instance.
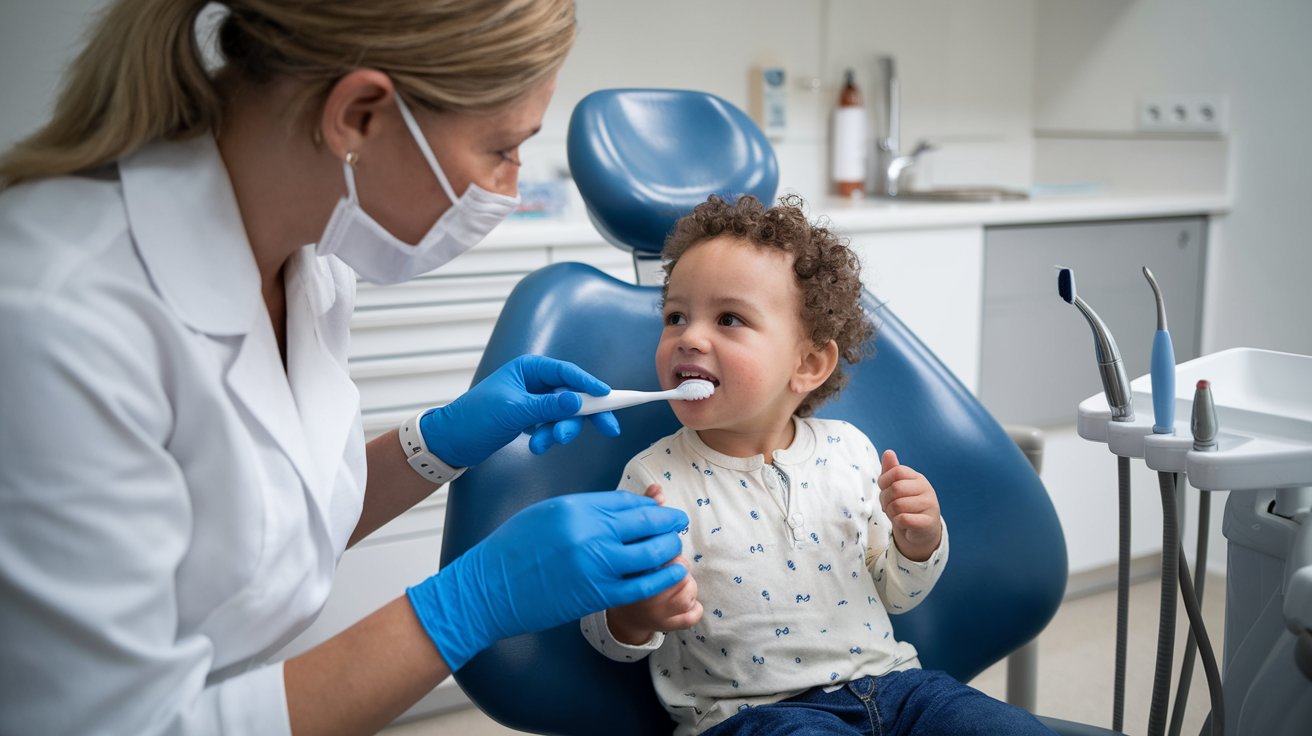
[1253, 439]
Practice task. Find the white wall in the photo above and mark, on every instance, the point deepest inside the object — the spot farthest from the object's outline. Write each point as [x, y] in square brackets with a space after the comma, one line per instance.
[1094, 59]
[966, 70]
[36, 40]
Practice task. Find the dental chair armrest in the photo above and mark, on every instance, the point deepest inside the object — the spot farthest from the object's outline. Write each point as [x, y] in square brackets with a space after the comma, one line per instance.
[1030, 441]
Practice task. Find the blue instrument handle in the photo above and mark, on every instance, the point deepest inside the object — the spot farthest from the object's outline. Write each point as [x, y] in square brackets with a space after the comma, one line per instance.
[1163, 381]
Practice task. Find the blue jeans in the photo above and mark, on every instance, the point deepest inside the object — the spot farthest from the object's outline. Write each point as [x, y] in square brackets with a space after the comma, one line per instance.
[907, 703]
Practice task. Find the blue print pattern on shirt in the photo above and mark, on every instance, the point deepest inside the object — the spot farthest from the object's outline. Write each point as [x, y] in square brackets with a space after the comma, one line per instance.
[763, 582]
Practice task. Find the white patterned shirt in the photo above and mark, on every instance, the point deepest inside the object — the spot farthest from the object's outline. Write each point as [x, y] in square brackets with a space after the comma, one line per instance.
[795, 566]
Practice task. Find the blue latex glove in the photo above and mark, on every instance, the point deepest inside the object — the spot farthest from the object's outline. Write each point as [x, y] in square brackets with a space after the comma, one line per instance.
[519, 397]
[553, 562]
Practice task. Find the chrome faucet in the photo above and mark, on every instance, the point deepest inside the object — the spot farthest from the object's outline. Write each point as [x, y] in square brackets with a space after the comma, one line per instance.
[894, 162]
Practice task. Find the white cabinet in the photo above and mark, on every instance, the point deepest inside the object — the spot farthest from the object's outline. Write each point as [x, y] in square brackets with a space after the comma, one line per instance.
[1037, 361]
[932, 280]
[1037, 358]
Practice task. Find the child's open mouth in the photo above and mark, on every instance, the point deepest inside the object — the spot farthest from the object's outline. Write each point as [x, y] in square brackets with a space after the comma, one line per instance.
[691, 373]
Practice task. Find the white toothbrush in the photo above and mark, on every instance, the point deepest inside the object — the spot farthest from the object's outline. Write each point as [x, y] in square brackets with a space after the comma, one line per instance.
[693, 390]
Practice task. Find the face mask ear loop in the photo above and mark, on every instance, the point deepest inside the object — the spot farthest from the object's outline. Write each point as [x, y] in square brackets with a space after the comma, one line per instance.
[424, 148]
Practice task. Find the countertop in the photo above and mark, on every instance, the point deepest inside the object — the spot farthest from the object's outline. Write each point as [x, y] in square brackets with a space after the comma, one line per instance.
[874, 215]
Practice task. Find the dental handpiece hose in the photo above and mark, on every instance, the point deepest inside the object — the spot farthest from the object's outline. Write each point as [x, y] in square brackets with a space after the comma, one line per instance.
[1203, 425]
[1116, 389]
[1163, 388]
[1166, 622]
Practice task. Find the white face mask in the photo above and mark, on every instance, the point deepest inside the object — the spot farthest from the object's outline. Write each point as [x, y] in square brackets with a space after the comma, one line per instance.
[383, 258]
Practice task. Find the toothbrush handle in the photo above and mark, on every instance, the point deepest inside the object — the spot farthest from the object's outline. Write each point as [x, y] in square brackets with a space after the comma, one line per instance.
[1163, 382]
[616, 399]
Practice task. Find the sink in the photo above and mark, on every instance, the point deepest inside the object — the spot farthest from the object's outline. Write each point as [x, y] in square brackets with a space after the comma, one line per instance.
[958, 194]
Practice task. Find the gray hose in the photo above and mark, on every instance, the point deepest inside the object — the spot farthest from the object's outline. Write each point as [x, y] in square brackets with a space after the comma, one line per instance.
[1195, 613]
[1166, 625]
[1122, 593]
[1200, 577]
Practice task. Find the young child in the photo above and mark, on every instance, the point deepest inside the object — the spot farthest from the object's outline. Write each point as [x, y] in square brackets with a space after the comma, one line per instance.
[802, 538]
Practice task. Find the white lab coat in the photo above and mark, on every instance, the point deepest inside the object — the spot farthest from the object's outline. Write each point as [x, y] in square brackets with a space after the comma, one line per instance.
[172, 502]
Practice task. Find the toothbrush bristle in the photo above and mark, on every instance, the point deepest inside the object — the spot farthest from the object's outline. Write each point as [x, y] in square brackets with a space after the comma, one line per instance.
[1066, 285]
[696, 389]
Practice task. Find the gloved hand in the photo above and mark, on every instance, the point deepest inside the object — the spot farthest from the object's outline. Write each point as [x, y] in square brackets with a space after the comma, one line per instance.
[553, 562]
[519, 397]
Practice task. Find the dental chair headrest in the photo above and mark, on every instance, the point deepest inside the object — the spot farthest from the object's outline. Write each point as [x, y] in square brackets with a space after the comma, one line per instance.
[643, 158]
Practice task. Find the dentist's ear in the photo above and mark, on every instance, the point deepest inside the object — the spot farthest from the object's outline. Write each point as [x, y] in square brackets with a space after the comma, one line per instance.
[351, 109]
[815, 366]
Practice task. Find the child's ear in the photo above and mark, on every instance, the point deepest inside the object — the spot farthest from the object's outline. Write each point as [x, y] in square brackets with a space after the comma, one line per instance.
[815, 367]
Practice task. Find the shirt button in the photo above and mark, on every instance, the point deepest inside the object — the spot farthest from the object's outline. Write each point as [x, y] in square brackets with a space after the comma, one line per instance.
[795, 520]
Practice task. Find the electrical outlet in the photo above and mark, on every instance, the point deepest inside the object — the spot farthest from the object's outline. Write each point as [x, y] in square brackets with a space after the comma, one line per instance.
[1182, 113]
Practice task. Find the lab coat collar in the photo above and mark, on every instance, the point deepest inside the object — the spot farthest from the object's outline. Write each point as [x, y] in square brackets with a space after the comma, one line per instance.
[326, 398]
[189, 232]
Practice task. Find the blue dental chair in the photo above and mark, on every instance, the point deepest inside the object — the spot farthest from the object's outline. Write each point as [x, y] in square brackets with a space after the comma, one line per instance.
[643, 158]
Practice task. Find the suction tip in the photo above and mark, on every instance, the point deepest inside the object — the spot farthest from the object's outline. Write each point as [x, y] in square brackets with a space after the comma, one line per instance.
[696, 390]
[1204, 384]
[1066, 284]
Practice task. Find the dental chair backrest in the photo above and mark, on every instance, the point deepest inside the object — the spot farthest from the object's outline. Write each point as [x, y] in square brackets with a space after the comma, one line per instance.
[643, 158]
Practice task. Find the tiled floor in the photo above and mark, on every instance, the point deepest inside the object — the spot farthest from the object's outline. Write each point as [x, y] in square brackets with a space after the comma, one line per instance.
[1075, 666]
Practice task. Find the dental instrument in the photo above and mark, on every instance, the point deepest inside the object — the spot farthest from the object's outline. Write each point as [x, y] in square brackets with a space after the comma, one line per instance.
[1116, 389]
[1202, 421]
[1163, 366]
[1175, 567]
[1115, 385]
[693, 390]
[1203, 427]
[1162, 375]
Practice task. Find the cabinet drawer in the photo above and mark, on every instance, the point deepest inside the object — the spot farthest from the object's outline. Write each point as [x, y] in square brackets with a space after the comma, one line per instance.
[931, 280]
[485, 259]
[1037, 360]
[377, 333]
[436, 290]
[389, 383]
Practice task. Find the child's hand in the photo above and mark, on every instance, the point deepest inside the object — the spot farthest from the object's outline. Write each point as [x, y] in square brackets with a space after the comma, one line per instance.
[912, 506]
[655, 493]
[670, 610]
[673, 609]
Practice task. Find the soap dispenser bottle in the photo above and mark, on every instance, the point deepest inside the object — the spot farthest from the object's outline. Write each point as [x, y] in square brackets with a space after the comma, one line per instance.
[848, 166]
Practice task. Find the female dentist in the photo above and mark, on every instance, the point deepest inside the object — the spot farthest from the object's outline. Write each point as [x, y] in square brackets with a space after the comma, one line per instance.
[181, 455]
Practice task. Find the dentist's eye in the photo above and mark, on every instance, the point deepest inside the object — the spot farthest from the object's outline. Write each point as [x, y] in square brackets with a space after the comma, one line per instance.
[511, 155]
[730, 320]
[675, 318]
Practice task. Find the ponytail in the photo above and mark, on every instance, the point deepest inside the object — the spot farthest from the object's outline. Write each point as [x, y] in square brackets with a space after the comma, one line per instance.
[140, 78]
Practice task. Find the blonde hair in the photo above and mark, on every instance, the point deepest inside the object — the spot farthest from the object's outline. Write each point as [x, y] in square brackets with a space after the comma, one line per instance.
[142, 76]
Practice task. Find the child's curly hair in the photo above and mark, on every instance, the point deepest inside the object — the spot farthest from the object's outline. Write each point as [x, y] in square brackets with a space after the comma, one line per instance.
[828, 272]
